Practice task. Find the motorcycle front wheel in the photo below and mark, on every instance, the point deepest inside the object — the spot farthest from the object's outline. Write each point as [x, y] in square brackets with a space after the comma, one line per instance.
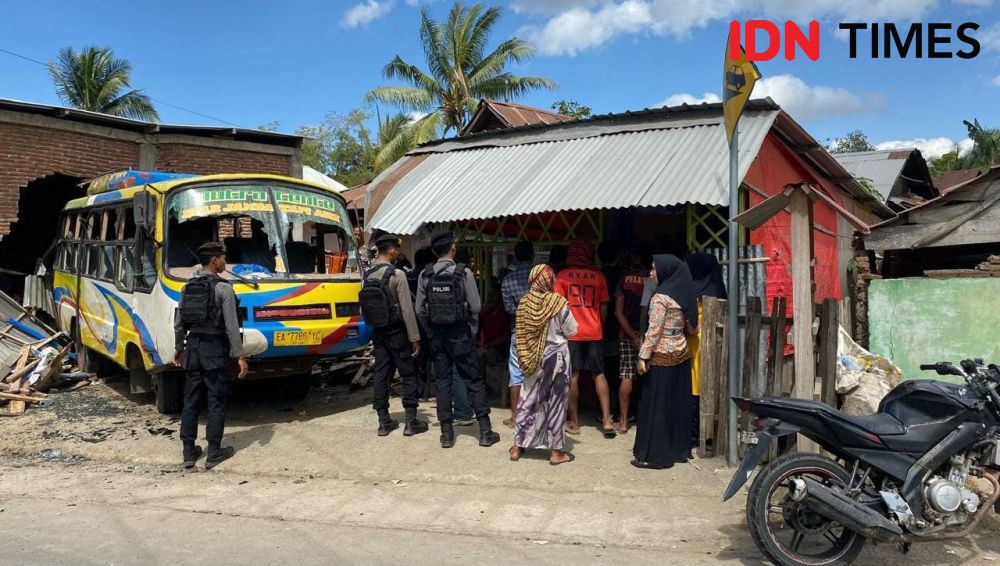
[790, 533]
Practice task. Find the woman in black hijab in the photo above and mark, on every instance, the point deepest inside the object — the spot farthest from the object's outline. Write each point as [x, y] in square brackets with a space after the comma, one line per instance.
[663, 431]
[708, 282]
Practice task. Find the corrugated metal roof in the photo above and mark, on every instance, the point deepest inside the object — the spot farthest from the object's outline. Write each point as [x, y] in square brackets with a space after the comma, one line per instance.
[883, 168]
[642, 160]
[512, 115]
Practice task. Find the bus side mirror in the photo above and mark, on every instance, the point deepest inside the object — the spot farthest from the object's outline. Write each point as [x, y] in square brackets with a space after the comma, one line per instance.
[144, 211]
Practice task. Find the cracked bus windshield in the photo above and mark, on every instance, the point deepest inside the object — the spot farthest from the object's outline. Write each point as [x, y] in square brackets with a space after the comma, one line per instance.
[308, 236]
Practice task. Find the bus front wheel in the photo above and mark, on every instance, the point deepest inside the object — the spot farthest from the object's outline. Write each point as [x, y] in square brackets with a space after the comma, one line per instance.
[169, 387]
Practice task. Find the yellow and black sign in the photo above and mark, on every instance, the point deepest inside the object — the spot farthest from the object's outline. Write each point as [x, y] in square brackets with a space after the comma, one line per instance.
[738, 78]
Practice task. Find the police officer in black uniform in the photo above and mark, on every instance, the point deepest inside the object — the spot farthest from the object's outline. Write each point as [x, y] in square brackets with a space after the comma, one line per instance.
[397, 342]
[448, 303]
[206, 349]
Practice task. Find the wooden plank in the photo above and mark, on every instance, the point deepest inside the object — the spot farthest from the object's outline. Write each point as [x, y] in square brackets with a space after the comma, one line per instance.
[777, 354]
[18, 397]
[16, 408]
[776, 349]
[751, 347]
[829, 332]
[724, 402]
[708, 357]
[15, 376]
[802, 338]
[947, 227]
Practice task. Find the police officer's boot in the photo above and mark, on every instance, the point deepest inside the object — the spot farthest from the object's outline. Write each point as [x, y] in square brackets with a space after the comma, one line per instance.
[386, 424]
[487, 437]
[217, 454]
[447, 435]
[191, 454]
[413, 424]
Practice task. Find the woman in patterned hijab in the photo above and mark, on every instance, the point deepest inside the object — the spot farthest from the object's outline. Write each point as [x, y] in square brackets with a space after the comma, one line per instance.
[543, 328]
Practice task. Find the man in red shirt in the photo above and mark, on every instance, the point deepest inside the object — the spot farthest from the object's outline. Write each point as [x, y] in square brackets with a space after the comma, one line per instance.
[586, 289]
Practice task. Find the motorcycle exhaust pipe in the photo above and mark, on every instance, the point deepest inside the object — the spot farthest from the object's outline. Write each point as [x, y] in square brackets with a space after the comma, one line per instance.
[849, 513]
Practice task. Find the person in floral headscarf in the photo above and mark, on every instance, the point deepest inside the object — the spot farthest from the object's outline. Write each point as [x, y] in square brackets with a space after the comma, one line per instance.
[544, 325]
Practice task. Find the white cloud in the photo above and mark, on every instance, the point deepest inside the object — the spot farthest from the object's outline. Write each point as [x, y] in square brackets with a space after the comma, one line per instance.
[990, 38]
[579, 29]
[577, 25]
[415, 115]
[366, 12]
[685, 98]
[981, 3]
[930, 148]
[806, 102]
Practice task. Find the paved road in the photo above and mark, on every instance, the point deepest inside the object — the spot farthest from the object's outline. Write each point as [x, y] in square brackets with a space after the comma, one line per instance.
[95, 479]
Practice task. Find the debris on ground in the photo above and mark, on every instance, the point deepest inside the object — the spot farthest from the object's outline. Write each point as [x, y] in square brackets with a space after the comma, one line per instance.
[32, 359]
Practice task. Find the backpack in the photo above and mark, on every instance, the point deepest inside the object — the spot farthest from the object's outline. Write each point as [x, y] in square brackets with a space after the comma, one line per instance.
[197, 306]
[379, 305]
[446, 296]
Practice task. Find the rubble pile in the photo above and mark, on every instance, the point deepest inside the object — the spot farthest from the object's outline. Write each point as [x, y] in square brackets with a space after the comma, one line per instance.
[34, 360]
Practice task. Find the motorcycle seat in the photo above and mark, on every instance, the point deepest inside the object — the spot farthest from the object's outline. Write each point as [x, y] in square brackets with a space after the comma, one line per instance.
[879, 423]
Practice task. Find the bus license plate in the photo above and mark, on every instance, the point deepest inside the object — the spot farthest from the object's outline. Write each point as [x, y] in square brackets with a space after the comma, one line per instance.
[298, 337]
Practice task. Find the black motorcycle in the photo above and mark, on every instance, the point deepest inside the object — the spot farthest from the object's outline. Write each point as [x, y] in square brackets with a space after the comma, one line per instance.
[924, 468]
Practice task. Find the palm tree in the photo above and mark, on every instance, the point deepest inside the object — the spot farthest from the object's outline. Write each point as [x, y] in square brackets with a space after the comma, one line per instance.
[459, 75]
[93, 79]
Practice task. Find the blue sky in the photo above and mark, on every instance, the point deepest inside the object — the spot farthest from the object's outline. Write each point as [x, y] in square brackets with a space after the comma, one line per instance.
[254, 62]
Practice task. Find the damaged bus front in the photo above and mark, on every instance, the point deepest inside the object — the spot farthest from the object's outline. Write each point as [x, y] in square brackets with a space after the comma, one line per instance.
[125, 256]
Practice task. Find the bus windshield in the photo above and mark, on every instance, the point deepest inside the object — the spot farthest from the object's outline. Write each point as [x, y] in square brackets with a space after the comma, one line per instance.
[271, 231]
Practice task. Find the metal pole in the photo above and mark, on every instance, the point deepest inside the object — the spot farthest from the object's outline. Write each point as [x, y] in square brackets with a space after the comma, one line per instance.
[733, 289]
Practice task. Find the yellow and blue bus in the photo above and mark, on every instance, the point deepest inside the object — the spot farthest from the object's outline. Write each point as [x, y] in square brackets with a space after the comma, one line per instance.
[126, 250]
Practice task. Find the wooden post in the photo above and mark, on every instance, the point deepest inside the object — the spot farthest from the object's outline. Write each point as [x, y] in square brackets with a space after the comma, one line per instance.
[776, 353]
[829, 332]
[802, 338]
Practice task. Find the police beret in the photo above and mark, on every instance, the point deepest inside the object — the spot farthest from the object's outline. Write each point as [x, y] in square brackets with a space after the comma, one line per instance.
[442, 238]
[211, 249]
[387, 240]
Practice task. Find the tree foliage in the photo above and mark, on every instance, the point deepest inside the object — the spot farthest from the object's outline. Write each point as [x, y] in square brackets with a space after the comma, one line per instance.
[93, 79]
[572, 108]
[854, 141]
[985, 152]
[343, 147]
[459, 73]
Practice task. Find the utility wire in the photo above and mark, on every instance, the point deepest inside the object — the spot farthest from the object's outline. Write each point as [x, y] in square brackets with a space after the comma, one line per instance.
[156, 100]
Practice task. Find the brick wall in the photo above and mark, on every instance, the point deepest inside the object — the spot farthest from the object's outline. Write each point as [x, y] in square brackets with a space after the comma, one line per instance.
[29, 152]
[211, 160]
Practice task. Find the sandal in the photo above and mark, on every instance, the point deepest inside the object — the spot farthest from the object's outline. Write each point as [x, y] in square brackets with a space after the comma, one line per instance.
[575, 431]
[643, 465]
[518, 450]
[621, 430]
[509, 423]
[609, 432]
[570, 458]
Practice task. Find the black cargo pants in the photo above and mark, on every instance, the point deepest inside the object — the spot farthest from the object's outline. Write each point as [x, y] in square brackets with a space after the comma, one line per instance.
[393, 352]
[453, 348]
[209, 373]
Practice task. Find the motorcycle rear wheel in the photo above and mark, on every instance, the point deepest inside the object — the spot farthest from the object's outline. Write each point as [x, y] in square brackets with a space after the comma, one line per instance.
[772, 516]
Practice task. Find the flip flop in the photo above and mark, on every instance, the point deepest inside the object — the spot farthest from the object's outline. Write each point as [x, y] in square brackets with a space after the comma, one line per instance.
[509, 423]
[573, 431]
[567, 461]
[609, 432]
[621, 430]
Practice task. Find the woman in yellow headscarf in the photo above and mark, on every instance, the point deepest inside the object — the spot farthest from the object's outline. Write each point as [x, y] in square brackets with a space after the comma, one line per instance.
[544, 325]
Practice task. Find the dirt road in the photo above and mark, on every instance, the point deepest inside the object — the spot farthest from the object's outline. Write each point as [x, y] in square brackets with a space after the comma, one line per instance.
[95, 479]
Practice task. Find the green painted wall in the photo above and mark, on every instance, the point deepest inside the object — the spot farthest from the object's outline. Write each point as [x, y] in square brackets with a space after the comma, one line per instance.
[918, 321]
